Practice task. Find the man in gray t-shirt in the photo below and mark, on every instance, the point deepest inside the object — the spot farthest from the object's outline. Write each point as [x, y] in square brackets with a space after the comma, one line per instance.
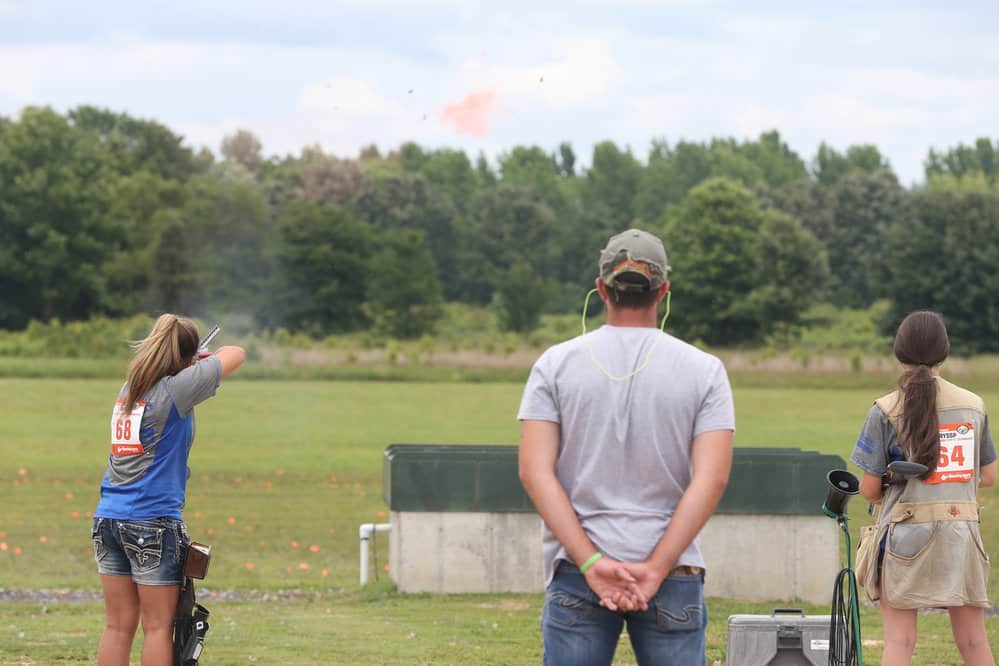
[626, 446]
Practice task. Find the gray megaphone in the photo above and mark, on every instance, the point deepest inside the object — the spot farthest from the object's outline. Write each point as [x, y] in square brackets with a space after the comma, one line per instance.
[842, 485]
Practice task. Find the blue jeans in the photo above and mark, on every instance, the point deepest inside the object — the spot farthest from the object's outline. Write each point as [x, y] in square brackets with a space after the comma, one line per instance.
[152, 552]
[578, 631]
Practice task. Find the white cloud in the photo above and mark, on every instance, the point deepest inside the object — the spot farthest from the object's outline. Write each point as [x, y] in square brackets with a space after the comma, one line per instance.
[154, 58]
[915, 87]
[289, 96]
[17, 81]
[661, 110]
[769, 29]
[640, 4]
[856, 114]
[584, 70]
[342, 117]
[347, 97]
[345, 114]
[708, 72]
[753, 120]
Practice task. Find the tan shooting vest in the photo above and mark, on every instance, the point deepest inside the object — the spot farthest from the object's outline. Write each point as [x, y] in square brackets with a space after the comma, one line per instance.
[934, 555]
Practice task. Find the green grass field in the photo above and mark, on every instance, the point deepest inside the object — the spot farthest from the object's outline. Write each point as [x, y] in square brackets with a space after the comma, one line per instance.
[283, 473]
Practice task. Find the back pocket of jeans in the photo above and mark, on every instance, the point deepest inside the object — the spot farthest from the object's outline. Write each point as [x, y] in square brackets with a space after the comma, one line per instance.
[143, 544]
[680, 606]
[567, 610]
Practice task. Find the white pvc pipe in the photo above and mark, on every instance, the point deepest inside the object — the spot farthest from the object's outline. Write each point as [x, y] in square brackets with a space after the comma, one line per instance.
[365, 532]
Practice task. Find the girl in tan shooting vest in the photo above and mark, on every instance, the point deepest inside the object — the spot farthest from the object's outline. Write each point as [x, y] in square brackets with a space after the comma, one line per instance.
[926, 550]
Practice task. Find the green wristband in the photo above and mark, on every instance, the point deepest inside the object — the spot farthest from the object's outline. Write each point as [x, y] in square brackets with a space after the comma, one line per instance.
[589, 563]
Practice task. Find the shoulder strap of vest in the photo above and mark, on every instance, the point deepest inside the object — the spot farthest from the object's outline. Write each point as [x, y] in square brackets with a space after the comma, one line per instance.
[951, 396]
[891, 404]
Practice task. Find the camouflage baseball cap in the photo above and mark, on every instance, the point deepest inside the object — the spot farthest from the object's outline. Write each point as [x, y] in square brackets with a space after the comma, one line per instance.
[634, 260]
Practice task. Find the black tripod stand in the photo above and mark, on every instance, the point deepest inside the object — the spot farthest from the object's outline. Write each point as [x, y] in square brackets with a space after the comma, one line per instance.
[844, 631]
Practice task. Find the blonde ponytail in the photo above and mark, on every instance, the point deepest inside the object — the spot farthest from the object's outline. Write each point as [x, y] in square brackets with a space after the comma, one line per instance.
[167, 350]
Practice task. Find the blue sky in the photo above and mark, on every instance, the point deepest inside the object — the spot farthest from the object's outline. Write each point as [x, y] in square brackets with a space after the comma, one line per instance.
[904, 76]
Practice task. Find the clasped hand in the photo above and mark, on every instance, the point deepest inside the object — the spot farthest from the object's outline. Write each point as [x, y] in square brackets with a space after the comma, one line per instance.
[623, 586]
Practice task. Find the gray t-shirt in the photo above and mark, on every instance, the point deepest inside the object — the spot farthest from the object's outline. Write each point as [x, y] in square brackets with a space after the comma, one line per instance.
[624, 452]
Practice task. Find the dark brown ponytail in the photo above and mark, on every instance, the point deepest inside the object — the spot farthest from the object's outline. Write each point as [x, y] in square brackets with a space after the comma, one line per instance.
[921, 343]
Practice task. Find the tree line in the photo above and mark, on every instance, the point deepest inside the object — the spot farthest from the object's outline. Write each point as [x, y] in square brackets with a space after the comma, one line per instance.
[102, 213]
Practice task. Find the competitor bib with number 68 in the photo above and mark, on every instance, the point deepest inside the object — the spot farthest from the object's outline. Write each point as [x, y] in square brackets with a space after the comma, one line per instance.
[125, 429]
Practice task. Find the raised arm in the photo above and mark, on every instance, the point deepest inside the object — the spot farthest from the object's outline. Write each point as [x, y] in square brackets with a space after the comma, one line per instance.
[230, 357]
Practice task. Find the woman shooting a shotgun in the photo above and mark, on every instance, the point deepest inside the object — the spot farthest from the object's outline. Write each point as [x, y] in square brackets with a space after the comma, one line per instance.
[926, 550]
[138, 535]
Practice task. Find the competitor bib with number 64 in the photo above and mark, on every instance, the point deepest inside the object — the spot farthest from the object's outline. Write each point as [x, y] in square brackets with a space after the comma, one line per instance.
[125, 429]
[956, 463]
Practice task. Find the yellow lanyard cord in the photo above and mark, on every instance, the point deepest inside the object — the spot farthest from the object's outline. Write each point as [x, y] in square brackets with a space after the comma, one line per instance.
[648, 356]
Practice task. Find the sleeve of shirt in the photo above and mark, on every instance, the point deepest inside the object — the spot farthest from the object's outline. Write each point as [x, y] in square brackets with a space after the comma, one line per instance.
[195, 384]
[870, 453]
[717, 410]
[538, 402]
[988, 453]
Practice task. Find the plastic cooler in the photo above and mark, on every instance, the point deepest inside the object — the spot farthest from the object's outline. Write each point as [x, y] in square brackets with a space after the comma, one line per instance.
[786, 637]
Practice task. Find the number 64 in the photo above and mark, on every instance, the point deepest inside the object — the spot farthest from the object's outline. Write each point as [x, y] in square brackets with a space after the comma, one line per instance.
[956, 456]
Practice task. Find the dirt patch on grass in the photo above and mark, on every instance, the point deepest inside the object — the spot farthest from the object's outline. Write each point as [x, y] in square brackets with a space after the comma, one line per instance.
[735, 360]
[461, 358]
[66, 596]
[71, 596]
[506, 605]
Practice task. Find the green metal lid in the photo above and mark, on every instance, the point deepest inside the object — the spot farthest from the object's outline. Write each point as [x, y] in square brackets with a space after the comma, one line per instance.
[482, 478]
[453, 477]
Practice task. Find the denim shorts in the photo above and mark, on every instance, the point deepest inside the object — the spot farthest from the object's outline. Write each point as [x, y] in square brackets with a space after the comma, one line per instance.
[150, 551]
